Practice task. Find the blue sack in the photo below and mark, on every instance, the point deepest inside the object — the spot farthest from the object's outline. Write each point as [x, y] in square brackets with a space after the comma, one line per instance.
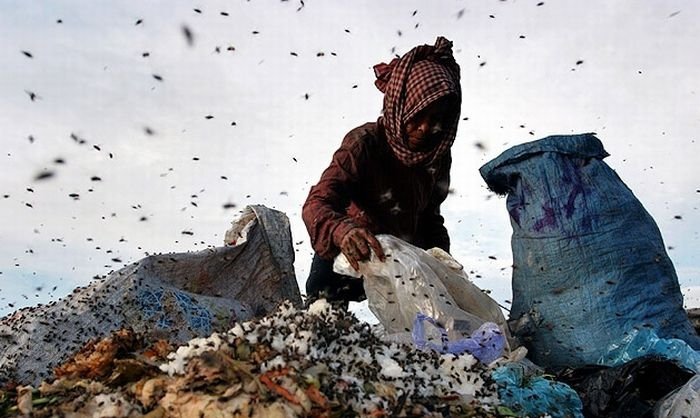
[534, 395]
[589, 263]
[486, 344]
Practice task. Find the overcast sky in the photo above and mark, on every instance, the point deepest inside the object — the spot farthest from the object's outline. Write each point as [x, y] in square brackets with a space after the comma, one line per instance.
[283, 82]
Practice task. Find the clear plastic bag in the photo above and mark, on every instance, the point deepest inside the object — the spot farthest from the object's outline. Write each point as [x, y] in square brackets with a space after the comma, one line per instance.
[684, 402]
[413, 281]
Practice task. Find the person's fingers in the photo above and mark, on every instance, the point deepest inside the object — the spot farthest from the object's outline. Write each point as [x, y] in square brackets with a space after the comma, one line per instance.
[361, 246]
[372, 243]
[353, 261]
[349, 251]
[358, 244]
[347, 246]
[376, 246]
[353, 242]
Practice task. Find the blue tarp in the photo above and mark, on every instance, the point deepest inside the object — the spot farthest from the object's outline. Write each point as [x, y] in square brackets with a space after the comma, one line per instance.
[589, 263]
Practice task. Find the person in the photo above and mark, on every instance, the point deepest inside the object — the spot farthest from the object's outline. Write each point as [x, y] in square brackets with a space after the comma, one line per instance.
[388, 176]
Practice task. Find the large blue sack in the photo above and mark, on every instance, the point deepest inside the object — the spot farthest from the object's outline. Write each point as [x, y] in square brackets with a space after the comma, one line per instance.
[589, 263]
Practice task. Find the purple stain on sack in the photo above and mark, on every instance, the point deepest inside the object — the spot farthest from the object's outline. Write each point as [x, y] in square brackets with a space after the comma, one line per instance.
[515, 214]
[570, 205]
[549, 219]
[515, 206]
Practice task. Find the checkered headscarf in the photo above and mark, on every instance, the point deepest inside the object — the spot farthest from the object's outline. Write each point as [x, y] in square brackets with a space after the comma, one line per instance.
[410, 83]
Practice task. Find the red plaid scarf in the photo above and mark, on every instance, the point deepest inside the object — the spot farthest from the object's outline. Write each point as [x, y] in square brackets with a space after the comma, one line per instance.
[412, 82]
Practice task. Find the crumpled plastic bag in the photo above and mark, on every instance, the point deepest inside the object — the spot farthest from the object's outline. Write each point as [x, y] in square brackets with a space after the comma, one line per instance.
[683, 402]
[413, 281]
[629, 390]
[638, 343]
[486, 343]
[533, 395]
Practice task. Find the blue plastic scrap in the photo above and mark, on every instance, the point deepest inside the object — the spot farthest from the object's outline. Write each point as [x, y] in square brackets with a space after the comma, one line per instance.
[639, 343]
[534, 395]
[486, 344]
[589, 262]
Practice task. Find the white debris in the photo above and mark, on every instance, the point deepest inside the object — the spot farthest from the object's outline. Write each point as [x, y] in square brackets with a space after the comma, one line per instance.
[277, 361]
[237, 330]
[390, 367]
[106, 405]
[194, 347]
[368, 371]
[319, 307]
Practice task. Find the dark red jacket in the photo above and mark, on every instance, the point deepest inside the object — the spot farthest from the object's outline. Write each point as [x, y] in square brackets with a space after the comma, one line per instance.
[366, 185]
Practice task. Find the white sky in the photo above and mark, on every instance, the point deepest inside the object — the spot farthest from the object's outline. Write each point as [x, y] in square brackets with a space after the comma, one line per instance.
[637, 88]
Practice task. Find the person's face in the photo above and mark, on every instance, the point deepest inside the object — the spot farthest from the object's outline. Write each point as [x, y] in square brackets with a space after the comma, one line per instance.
[425, 129]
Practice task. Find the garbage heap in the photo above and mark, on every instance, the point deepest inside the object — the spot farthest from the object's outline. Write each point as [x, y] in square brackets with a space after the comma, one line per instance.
[173, 296]
[315, 362]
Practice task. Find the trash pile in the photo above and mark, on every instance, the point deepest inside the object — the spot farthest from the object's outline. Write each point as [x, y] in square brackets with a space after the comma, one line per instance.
[173, 296]
[443, 349]
[315, 362]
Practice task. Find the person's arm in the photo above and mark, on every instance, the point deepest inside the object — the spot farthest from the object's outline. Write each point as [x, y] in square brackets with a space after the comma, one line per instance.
[432, 224]
[324, 211]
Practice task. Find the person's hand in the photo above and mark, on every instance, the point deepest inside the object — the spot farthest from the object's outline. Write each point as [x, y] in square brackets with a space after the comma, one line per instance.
[357, 245]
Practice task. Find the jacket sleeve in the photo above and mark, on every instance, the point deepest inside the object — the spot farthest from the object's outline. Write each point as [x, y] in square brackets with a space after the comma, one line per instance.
[325, 209]
[432, 224]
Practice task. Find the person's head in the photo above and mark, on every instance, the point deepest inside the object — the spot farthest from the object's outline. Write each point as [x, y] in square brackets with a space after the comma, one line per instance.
[422, 100]
[427, 128]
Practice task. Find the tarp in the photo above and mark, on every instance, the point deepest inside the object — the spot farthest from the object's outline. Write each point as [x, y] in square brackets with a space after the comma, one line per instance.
[175, 296]
[589, 262]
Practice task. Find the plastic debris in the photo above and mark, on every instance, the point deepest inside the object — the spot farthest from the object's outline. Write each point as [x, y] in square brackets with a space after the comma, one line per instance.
[486, 343]
[413, 281]
[684, 402]
[628, 390]
[534, 395]
[643, 342]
